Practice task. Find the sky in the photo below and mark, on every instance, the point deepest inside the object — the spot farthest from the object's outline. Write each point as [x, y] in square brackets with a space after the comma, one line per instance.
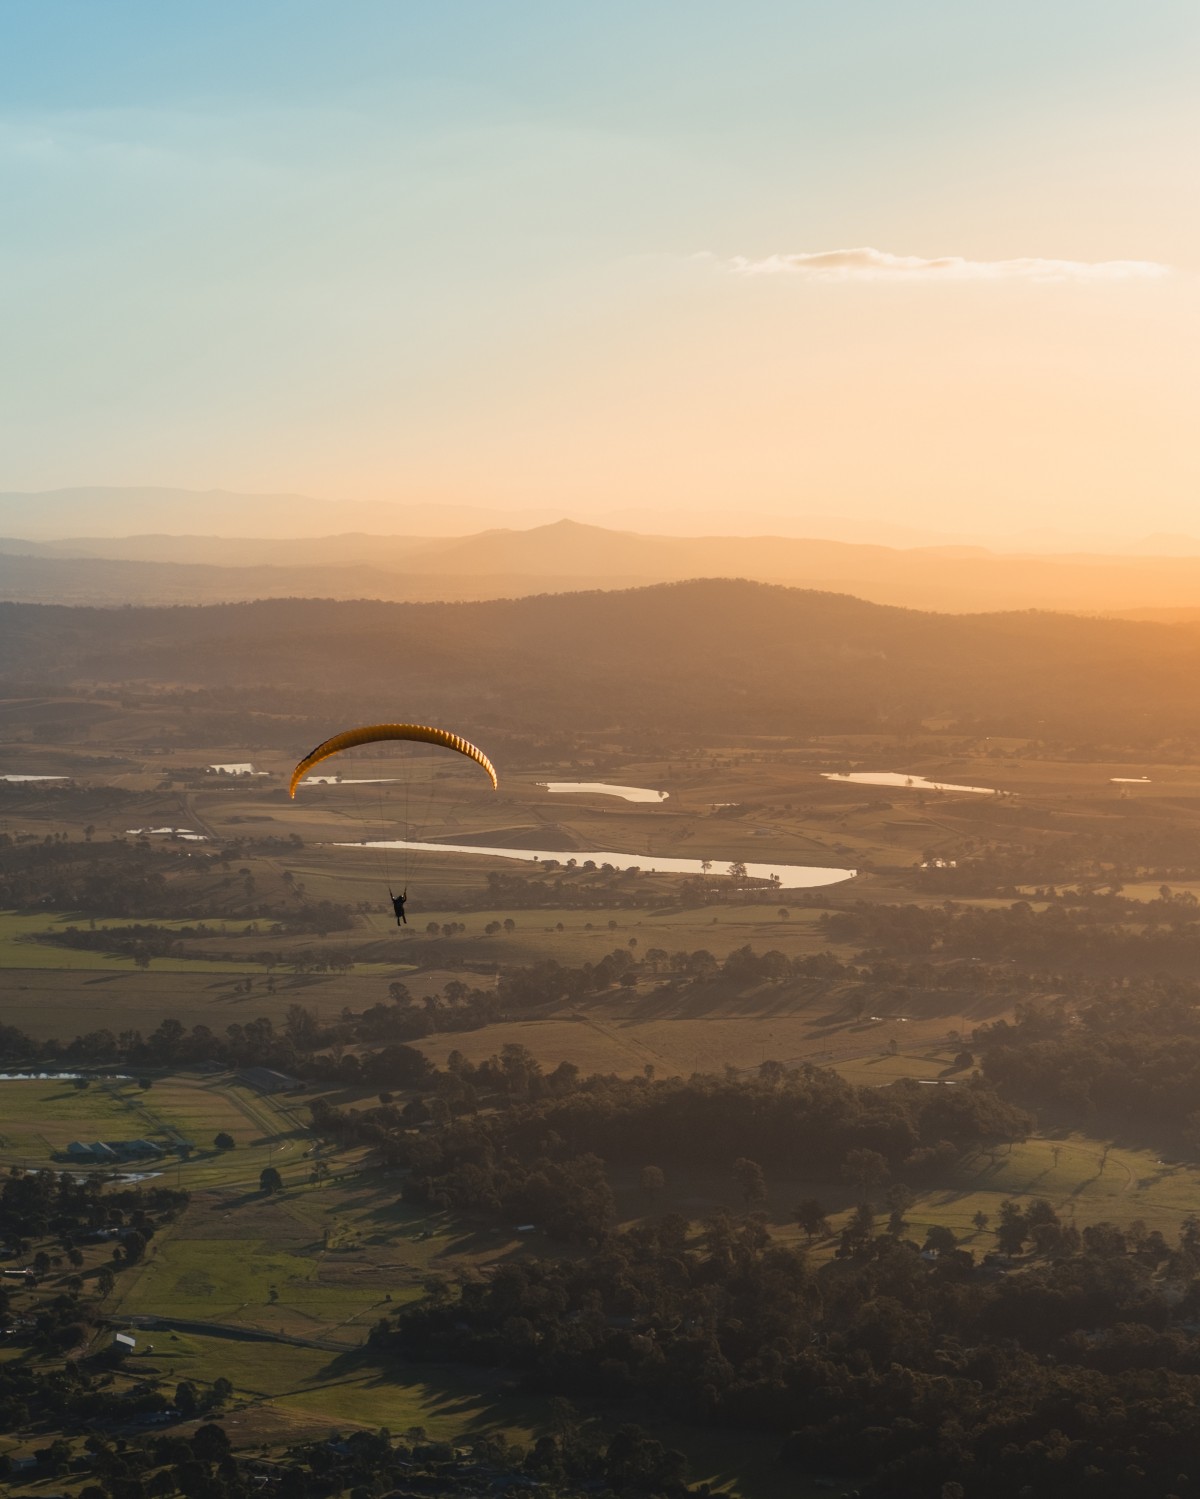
[893, 260]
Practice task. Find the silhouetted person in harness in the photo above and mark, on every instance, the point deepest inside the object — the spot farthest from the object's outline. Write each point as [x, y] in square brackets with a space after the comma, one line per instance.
[398, 907]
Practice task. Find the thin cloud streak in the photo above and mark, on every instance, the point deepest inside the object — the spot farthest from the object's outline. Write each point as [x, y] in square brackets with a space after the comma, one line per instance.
[867, 264]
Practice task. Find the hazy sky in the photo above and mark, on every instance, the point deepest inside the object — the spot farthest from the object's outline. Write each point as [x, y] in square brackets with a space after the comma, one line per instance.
[922, 259]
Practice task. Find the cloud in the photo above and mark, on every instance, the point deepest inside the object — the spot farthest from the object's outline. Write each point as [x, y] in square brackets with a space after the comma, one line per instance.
[866, 264]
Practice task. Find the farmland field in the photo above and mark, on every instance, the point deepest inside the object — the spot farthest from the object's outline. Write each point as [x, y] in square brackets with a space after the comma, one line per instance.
[277, 1293]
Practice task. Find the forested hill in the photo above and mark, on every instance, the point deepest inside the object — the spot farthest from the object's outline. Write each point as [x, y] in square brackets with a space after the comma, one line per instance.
[715, 654]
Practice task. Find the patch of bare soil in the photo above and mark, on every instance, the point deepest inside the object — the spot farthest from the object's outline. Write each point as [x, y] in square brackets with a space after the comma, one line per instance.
[240, 1215]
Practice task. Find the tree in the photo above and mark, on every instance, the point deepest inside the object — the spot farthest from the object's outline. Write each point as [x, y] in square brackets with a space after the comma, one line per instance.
[210, 1444]
[1012, 1230]
[653, 1179]
[941, 1240]
[224, 1141]
[270, 1181]
[866, 1168]
[751, 1182]
[811, 1216]
[899, 1199]
[187, 1399]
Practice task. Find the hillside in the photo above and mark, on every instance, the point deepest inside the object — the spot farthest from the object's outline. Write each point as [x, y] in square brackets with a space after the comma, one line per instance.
[746, 656]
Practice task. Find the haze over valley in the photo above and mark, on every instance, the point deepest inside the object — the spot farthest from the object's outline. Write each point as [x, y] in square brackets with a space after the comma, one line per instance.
[599, 751]
[565, 556]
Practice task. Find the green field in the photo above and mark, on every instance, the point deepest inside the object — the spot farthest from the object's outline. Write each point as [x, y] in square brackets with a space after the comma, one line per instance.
[18, 952]
[39, 1117]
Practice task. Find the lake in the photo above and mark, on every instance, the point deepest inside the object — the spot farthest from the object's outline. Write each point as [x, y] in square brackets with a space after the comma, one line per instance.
[903, 781]
[602, 788]
[791, 876]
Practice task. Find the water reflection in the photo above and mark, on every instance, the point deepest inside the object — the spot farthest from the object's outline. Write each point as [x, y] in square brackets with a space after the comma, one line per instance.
[791, 876]
[907, 782]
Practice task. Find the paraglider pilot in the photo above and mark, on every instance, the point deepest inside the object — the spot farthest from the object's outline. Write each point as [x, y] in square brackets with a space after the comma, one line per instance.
[398, 907]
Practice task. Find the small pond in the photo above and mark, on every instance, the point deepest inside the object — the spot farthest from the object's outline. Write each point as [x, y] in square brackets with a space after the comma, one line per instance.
[602, 788]
[905, 782]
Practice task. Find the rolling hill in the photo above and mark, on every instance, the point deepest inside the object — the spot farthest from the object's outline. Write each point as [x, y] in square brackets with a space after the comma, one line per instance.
[675, 659]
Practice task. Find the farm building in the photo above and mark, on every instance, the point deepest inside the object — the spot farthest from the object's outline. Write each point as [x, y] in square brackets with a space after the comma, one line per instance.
[267, 1081]
[123, 1343]
[110, 1152]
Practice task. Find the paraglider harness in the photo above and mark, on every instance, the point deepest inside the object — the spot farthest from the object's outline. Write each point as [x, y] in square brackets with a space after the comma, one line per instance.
[398, 906]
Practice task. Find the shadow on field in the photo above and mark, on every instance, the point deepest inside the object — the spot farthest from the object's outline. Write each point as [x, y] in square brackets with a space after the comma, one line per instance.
[464, 1395]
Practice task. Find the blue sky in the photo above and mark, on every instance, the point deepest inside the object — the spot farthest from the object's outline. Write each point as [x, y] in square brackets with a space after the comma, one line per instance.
[554, 255]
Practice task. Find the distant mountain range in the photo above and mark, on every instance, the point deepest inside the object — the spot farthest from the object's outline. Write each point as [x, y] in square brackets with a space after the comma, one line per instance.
[114, 512]
[568, 556]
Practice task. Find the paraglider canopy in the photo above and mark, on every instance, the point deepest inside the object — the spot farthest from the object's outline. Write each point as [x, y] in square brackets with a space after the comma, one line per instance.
[375, 733]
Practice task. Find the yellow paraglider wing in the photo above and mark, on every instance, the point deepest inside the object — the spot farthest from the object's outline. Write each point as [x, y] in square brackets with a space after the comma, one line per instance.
[374, 733]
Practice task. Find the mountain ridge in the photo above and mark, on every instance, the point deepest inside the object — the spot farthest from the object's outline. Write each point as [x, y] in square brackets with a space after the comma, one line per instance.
[568, 555]
[670, 660]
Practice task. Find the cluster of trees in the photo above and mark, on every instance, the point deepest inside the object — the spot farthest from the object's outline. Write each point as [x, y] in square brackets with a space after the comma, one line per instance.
[1127, 1057]
[908, 1373]
[1134, 841]
[67, 1399]
[1100, 933]
[34, 1204]
[133, 879]
[62, 1215]
[311, 1047]
[572, 1460]
[581, 884]
[506, 1138]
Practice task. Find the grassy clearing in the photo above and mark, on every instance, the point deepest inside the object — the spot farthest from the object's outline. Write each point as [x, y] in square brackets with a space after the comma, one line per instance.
[38, 1118]
[17, 952]
[313, 1262]
[352, 1388]
[66, 1003]
[607, 1039]
[256, 1283]
[1085, 1181]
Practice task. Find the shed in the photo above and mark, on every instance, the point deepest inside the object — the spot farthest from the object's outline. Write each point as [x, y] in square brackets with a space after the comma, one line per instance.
[123, 1342]
[268, 1081]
